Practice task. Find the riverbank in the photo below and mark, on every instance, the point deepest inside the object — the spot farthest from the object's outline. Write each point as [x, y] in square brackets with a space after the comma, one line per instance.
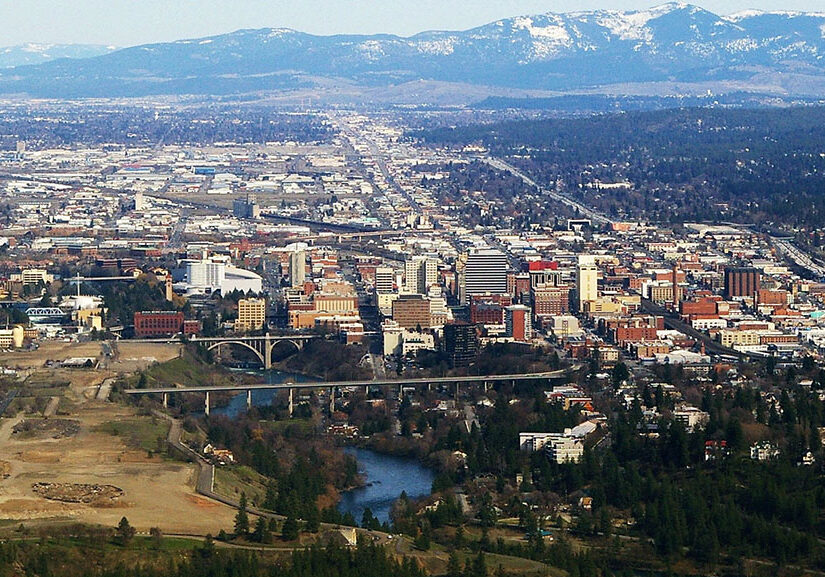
[386, 477]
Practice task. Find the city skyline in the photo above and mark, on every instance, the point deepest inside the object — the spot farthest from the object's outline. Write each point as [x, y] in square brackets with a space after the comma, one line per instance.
[126, 23]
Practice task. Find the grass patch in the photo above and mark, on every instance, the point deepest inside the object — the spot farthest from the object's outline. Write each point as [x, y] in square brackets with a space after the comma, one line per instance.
[43, 392]
[186, 370]
[232, 480]
[303, 427]
[45, 381]
[139, 433]
[143, 542]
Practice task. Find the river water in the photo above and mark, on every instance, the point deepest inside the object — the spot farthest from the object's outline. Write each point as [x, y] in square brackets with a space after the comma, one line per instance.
[260, 398]
[386, 477]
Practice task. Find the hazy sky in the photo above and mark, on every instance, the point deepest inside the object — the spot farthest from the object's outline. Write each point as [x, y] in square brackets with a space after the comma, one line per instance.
[129, 22]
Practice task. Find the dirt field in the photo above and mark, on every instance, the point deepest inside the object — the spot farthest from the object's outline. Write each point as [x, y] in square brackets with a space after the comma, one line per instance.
[132, 355]
[156, 492]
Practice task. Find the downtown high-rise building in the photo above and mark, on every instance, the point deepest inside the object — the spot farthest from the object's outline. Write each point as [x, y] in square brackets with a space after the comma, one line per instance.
[297, 268]
[587, 279]
[742, 281]
[518, 323]
[420, 273]
[485, 272]
[384, 280]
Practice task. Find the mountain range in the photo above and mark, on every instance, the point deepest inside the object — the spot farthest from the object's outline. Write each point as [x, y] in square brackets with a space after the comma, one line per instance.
[23, 54]
[672, 44]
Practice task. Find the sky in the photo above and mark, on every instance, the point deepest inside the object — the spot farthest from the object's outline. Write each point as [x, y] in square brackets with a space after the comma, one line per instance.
[131, 22]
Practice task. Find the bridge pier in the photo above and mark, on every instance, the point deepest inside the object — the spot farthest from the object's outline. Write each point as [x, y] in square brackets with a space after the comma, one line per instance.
[267, 352]
[486, 386]
[400, 392]
[206, 404]
[290, 403]
[165, 400]
[248, 399]
[457, 391]
[331, 400]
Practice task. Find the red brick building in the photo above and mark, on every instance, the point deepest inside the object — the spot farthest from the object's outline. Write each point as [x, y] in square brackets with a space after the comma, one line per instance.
[159, 323]
[551, 300]
[488, 309]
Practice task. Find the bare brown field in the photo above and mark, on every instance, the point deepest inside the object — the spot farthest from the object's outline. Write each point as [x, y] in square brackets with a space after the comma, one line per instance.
[156, 492]
[49, 351]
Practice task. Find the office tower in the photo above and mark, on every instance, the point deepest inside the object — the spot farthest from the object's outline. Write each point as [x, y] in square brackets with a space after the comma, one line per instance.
[297, 268]
[411, 311]
[251, 315]
[485, 271]
[411, 276]
[587, 278]
[518, 323]
[428, 273]
[741, 282]
[461, 344]
[550, 300]
[420, 273]
[384, 280]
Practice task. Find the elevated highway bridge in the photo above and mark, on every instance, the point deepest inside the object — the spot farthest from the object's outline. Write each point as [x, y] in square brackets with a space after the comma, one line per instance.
[485, 380]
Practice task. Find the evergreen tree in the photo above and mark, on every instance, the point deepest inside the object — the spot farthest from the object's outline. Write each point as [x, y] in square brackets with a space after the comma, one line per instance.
[261, 533]
[453, 566]
[479, 566]
[242, 517]
[125, 532]
[313, 520]
[290, 531]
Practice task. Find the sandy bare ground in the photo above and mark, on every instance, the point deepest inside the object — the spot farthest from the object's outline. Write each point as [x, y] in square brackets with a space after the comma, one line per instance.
[157, 492]
[135, 355]
[132, 355]
[49, 350]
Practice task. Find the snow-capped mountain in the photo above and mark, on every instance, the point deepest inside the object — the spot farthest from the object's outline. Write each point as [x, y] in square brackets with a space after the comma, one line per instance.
[32, 53]
[672, 42]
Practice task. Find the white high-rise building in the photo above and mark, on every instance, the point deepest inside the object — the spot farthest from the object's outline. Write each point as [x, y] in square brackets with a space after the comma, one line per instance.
[420, 274]
[587, 281]
[485, 271]
[140, 202]
[384, 280]
[411, 269]
[297, 268]
[208, 273]
[429, 268]
[217, 273]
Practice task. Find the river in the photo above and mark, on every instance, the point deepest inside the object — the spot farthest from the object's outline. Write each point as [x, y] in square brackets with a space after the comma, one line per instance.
[386, 477]
[261, 397]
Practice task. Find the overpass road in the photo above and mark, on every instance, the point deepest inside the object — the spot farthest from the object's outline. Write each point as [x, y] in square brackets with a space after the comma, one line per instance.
[344, 384]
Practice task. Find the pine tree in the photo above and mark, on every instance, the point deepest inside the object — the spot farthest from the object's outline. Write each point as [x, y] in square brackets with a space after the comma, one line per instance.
[242, 518]
[271, 498]
[290, 532]
[262, 534]
[479, 565]
[453, 566]
[125, 532]
[313, 520]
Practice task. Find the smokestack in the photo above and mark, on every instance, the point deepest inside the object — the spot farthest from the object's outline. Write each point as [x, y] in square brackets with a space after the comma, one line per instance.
[675, 287]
